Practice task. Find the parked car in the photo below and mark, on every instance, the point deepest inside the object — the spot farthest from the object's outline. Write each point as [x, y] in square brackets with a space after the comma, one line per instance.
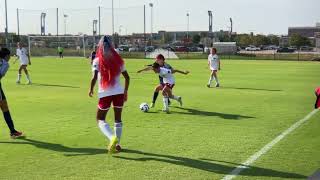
[133, 49]
[252, 48]
[149, 48]
[285, 50]
[306, 48]
[180, 49]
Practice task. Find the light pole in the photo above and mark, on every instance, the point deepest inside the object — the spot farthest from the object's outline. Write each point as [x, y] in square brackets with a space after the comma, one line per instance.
[112, 19]
[65, 24]
[151, 30]
[94, 32]
[188, 25]
[6, 29]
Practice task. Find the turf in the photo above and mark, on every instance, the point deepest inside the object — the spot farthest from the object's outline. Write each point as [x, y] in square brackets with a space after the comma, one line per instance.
[215, 130]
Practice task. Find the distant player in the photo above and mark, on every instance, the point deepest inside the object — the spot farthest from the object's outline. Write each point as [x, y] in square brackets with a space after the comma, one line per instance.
[24, 59]
[4, 66]
[107, 68]
[93, 56]
[169, 82]
[60, 51]
[161, 61]
[214, 66]
[317, 104]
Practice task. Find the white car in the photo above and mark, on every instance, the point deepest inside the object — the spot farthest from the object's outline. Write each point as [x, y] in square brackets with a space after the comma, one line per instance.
[252, 48]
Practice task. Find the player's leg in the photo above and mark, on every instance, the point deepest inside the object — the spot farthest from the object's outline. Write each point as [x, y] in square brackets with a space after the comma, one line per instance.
[19, 75]
[166, 92]
[7, 117]
[27, 73]
[118, 101]
[103, 108]
[215, 76]
[172, 96]
[155, 94]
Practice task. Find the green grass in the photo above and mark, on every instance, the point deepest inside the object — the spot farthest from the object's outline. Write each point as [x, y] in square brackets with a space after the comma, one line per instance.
[215, 131]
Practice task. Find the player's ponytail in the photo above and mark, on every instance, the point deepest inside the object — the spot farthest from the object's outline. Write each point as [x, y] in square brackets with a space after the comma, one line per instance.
[110, 62]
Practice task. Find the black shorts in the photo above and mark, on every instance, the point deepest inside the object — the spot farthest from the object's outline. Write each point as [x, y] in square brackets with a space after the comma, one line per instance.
[60, 53]
[2, 96]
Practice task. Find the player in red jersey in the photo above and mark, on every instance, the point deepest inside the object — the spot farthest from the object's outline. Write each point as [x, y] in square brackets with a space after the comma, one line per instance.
[107, 68]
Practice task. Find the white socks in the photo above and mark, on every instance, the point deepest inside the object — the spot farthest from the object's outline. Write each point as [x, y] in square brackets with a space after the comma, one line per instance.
[19, 77]
[28, 78]
[213, 78]
[166, 103]
[118, 130]
[175, 98]
[105, 129]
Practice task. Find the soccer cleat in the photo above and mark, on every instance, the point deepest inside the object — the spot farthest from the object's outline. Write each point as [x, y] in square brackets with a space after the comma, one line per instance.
[180, 100]
[169, 102]
[18, 82]
[152, 105]
[165, 110]
[208, 85]
[16, 135]
[29, 82]
[112, 145]
[217, 85]
[118, 148]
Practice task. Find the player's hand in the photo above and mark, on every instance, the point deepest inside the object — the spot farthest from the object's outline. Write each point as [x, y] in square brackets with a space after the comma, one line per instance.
[125, 98]
[186, 72]
[139, 71]
[91, 93]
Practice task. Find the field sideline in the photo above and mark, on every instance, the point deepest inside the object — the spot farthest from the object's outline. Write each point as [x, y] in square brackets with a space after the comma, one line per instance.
[214, 132]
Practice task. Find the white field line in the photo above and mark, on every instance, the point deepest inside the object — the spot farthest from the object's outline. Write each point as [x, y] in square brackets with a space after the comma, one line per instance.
[267, 147]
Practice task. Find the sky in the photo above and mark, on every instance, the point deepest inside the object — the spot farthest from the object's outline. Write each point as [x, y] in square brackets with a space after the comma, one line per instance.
[257, 16]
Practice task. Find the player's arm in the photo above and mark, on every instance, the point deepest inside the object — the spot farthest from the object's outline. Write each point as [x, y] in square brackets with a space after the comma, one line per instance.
[4, 68]
[219, 64]
[149, 68]
[179, 71]
[126, 84]
[93, 82]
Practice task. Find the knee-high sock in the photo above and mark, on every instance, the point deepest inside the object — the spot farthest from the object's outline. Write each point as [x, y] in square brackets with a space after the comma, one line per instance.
[105, 129]
[8, 119]
[19, 77]
[118, 130]
[155, 96]
[165, 102]
[210, 80]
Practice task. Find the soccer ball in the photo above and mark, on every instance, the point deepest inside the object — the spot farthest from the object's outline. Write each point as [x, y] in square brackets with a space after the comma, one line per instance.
[144, 107]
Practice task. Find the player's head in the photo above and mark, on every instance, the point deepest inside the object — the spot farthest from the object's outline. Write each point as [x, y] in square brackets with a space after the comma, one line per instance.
[5, 54]
[110, 62]
[213, 51]
[156, 67]
[160, 59]
[19, 44]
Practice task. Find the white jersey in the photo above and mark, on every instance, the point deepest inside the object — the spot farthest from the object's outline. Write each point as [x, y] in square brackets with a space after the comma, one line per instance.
[167, 75]
[23, 56]
[117, 88]
[213, 61]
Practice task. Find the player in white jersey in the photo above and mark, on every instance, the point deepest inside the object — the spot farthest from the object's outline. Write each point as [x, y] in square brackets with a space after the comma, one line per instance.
[169, 82]
[214, 65]
[161, 61]
[107, 68]
[24, 58]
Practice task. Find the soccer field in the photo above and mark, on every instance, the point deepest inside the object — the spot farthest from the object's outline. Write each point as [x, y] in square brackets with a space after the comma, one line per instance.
[215, 131]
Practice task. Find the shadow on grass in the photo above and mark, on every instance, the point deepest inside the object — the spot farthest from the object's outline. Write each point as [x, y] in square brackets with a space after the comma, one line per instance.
[190, 111]
[253, 89]
[54, 85]
[206, 164]
[70, 151]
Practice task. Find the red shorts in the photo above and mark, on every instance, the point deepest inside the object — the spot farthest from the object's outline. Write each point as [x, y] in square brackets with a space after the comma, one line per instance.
[169, 85]
[116, 100]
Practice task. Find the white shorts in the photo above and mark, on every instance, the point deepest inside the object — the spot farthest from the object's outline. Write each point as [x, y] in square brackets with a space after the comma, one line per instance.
[214, 68]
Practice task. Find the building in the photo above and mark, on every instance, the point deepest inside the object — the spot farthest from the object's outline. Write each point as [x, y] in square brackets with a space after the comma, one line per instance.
[284, 41]
[308, 32]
